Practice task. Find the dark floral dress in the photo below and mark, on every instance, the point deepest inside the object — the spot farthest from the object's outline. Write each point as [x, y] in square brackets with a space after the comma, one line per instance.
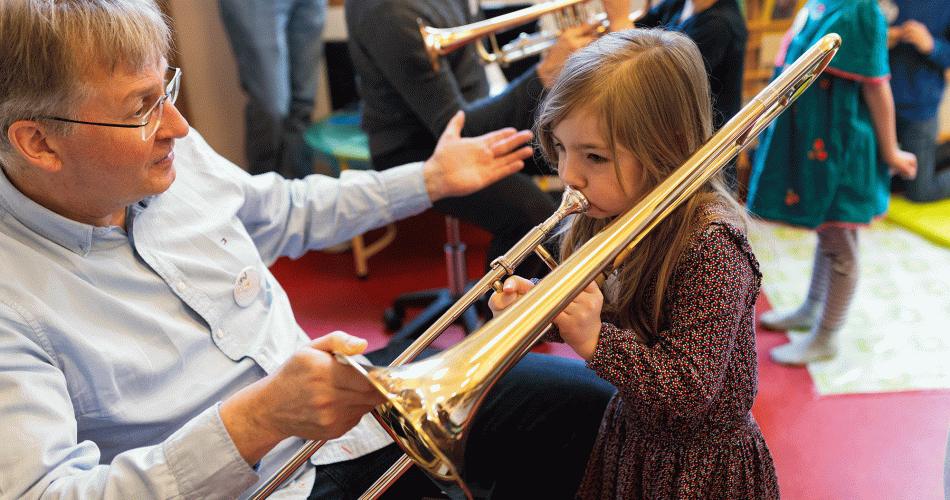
[680, 424]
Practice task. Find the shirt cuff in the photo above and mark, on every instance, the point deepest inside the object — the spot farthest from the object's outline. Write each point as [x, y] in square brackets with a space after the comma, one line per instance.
[407, 186]
[204, 460]
[612, 353]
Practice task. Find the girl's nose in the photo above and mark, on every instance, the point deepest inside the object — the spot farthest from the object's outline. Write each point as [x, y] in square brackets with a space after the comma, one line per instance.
[569, 173]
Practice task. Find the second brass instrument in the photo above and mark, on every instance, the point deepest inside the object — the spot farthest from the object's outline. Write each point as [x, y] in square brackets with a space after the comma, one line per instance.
[567, 13]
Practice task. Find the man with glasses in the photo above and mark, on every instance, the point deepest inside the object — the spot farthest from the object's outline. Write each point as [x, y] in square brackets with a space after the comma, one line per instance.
[146, 351]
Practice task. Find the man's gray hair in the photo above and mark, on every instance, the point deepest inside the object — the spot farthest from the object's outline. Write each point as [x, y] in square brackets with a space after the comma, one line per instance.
[49, 45]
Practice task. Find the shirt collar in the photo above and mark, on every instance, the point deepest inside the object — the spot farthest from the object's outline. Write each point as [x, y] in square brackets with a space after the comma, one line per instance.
[74, 236]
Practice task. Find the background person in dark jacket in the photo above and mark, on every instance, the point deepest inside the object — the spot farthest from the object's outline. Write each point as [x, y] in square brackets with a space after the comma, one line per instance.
[919, 55]
[407, 102]
[718, 28]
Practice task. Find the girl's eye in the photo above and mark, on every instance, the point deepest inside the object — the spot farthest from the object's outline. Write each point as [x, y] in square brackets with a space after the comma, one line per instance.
[596, 158]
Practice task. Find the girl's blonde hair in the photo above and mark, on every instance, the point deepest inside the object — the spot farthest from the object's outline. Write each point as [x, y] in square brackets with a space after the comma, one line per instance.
[649, 88]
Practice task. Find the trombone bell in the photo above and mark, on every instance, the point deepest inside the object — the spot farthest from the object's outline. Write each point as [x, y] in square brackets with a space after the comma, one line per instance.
[432, 402]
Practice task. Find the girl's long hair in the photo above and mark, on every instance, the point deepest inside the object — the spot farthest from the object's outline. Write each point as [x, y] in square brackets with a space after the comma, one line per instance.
[649, 88]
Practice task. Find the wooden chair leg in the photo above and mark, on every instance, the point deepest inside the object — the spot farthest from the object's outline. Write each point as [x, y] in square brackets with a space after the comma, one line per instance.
[363, 251]
[360, 257]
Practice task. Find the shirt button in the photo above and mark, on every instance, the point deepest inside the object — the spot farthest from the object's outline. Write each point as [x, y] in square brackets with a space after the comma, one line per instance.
[219, 334]
[181, 286]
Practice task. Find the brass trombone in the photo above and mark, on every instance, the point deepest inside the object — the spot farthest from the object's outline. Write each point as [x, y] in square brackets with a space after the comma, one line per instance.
[432, 402]
[567, 13]
[572, 201]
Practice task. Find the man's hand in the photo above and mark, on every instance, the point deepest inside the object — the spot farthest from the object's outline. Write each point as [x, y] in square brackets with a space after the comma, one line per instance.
[463, 165]
[619, 14]
[915, 33]
[311, 396]
[571, 39]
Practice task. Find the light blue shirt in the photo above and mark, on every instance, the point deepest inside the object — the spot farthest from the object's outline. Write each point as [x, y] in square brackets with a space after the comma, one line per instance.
[116, 348]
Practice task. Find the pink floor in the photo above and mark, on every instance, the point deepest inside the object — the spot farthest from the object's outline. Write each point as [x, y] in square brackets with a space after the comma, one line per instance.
[863, 446]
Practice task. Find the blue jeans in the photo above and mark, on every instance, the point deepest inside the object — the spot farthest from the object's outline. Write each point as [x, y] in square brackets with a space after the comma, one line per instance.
[278, 48]
[531, 438]
[920, 138]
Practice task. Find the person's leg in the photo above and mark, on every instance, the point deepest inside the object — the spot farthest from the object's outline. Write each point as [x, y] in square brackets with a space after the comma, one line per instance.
[806, 315]
[536, 429]
[920, 138]
[840, 245]
[305, 50]
[255, 29]
[349, 480]
[508, 210]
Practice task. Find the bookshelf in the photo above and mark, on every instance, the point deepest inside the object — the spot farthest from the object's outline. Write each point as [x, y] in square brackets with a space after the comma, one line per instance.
[767, 22]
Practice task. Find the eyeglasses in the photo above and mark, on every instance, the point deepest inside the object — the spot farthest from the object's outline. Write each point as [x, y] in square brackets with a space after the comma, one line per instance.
[152, 116]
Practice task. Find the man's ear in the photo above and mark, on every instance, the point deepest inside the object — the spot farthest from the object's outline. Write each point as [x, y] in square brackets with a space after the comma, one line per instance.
[32, 140]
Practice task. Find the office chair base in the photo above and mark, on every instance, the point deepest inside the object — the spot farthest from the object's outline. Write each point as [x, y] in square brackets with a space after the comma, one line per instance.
[436, 303]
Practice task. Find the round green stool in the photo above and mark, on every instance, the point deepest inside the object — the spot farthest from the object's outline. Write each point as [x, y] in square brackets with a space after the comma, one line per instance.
[339, 139]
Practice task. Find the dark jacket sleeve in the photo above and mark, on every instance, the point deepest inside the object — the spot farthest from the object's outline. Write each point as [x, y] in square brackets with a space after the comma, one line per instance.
[390, 37]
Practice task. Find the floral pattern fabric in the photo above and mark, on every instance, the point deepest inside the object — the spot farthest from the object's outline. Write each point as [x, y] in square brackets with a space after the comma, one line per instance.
[680, 425]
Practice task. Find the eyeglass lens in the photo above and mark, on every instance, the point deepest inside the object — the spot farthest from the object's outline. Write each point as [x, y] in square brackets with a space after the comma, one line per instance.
[171, 95]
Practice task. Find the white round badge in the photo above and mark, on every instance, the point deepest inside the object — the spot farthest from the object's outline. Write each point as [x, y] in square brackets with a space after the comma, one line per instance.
[247, 286]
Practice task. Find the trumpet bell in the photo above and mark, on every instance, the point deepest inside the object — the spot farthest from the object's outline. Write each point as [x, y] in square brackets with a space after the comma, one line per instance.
[441, 41]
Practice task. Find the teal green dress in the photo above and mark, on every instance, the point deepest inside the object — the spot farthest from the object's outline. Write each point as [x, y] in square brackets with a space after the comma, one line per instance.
[817, 163]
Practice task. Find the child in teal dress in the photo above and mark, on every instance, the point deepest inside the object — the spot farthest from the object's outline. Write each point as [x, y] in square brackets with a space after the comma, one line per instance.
[825, 164]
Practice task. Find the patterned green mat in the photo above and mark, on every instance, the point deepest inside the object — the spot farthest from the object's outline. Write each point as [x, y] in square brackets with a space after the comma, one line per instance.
[897, 337]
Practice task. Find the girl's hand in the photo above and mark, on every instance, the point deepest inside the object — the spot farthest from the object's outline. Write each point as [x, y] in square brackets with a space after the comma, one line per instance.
[514, 287]
[894, 36]
[903, 164]
[579, 323]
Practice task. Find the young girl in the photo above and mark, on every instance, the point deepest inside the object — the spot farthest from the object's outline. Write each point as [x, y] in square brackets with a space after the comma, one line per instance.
[673, 328]
[817, 167]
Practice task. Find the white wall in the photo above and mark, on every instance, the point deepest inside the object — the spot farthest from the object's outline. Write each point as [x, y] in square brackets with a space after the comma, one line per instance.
[209, 77]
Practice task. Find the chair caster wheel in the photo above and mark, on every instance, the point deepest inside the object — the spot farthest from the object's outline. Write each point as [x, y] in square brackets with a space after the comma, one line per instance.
[393, 319]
